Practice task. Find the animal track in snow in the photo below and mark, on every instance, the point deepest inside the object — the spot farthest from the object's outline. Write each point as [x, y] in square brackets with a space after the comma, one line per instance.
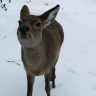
[59, 85]
[92, 73]
[72, 71]
[94, 87]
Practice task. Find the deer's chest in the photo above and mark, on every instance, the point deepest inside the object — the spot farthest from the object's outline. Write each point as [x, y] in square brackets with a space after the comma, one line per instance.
[35, 64]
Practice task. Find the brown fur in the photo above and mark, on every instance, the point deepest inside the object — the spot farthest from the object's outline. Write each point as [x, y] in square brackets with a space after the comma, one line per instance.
[40, 47]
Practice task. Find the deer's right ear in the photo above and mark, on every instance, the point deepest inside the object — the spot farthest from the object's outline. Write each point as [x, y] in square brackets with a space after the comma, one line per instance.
[24, 11]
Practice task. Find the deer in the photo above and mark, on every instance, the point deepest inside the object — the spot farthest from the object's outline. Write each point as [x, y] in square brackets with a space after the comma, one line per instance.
[41, 38]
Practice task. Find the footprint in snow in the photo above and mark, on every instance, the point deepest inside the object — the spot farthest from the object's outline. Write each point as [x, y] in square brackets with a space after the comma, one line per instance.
[72, 71]
[59, 85]
[94, 88]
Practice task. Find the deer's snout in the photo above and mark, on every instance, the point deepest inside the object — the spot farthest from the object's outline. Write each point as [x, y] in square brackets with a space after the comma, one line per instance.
[24, 29]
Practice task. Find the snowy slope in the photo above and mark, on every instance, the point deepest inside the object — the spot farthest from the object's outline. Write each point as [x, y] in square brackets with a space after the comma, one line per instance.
[76, 68]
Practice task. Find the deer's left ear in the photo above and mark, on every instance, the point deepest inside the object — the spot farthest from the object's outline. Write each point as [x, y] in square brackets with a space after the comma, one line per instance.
[49, 16]
[24, 11]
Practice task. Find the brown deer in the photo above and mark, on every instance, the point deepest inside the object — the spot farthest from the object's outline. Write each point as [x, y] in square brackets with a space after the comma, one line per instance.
[41, 38]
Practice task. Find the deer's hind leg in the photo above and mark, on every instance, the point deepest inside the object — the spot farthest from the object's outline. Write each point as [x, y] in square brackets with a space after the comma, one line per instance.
[53, 76]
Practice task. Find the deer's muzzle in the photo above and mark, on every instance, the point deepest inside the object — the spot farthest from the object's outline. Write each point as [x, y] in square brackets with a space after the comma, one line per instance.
[24, 29]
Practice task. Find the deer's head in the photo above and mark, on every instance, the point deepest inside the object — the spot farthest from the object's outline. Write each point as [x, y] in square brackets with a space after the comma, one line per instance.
[30, 28]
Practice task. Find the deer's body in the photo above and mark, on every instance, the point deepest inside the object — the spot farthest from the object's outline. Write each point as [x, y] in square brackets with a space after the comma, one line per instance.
[40, 50]
[40, 59]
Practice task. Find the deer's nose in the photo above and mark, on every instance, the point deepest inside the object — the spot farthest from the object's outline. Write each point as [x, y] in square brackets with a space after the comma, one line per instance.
[24, 29]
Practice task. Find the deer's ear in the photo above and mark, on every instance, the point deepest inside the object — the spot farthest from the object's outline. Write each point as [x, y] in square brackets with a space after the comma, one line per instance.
[49, 16]
[24, 11]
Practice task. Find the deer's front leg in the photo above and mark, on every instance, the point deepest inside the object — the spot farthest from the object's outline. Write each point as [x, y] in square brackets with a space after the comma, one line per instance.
[30, 83]
[47, 83]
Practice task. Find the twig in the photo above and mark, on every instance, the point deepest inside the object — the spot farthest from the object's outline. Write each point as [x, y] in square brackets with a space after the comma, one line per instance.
[13, 62]
[1, 1]
[9, 1]
[28, 1]
[3, 6]
[3, 38]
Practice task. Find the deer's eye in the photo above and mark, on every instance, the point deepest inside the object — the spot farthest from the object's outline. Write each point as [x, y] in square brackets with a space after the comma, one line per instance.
[19, 22]
[38, 24]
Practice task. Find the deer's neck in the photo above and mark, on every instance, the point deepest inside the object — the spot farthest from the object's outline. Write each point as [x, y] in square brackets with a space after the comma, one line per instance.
[32, 50]
[35, 54]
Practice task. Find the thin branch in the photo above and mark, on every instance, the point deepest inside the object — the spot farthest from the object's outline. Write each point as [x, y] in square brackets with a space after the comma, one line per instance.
[9, 1]
[3, 6]
[13, 62]
[3, 38]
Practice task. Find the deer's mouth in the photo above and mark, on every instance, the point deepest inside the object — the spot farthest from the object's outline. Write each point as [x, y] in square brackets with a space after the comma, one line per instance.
[25, 36]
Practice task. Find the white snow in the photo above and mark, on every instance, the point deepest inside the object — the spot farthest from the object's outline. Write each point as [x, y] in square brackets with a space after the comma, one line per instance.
[76, 67]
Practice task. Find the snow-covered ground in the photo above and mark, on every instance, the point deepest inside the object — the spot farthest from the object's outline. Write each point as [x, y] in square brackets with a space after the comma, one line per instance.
[76, 67]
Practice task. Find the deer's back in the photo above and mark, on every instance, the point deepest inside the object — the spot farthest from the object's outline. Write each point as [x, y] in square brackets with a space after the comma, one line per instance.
[53, 37]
